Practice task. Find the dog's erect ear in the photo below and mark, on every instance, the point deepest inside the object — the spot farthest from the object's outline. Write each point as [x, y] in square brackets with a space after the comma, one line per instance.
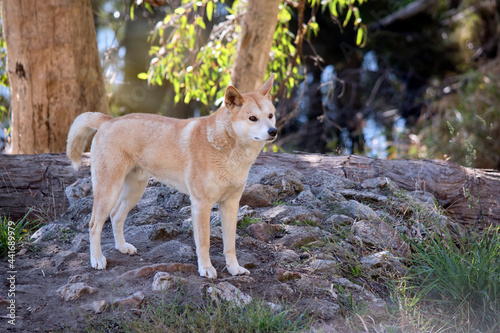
[266, 88]
[233, 97]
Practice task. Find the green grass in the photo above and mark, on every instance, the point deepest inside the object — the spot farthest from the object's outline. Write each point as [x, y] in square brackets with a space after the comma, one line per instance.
[15, 232]
[462, 276]
[247, 221]
[161, 315]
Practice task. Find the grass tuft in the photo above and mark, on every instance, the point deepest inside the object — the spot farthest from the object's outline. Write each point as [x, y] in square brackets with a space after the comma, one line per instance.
[462, 275]
[15, 232]
[161, 315]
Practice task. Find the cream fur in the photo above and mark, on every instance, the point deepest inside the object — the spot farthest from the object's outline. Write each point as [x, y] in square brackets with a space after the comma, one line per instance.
[207, 158]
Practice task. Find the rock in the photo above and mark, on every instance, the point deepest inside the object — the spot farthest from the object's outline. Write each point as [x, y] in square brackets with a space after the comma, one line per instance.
[364, 195]
[337, 220]
[380, 259]
[72, 291]
[263, 231]
[328, 196]
[63, 257]
[281, 291]
[306, 198]
[78, 190]
[283, 275]
[285, 214]
[297, 236]
[148, 215]
[258, 195]
[173, 250]
[47, 232]
[244, 212]
[133, 300]
[148, 271]
[164, 231]
[229, 293]
[96, 306]
[79, 278]
[285, 183]
[380, 234]
[323, 309]
[164, 281]
[355, 210]
[80, 242]
[379, 183]
[322, 179]
[323, 265]
[287, 255]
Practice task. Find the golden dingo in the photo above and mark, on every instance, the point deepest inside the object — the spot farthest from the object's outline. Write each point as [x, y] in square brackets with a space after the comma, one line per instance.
[207, 158]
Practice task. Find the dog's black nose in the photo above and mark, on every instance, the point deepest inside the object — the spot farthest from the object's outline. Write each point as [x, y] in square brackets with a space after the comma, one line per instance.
[272, 131]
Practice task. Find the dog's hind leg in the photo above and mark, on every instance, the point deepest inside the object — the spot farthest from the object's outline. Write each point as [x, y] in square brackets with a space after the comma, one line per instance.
[132, 190]
[106, 190]
[229, 213]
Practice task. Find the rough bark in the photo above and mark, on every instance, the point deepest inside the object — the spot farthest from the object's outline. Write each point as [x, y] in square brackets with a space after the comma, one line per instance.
[252, 56]
[470, 196]
[54, 70]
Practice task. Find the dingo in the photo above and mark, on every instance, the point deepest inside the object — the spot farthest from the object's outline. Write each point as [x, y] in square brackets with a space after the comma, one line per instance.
[207, 158]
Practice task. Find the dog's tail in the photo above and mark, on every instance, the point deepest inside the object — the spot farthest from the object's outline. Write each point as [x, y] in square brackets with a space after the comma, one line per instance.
[81, 132]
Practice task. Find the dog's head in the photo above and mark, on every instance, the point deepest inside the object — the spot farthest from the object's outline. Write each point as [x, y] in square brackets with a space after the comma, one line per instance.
[253, 114]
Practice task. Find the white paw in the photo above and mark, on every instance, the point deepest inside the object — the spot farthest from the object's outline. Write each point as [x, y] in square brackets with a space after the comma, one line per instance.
[126, 248]
[237, 270]
[208, 272]
[98, 263]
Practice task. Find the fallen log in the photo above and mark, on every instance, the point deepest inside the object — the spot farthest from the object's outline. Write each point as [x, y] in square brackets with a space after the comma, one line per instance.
[470, 196]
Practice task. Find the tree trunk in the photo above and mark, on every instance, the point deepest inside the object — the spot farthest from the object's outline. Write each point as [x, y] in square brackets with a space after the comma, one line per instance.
[54, 70]
[252, 56]
[470, 196]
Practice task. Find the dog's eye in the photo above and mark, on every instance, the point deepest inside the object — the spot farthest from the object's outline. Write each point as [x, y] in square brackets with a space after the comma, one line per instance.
[253, 118]
[270, 116]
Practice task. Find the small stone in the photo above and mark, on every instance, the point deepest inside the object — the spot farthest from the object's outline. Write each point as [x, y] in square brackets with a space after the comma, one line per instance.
[173, 249]
[324, 265]
[297, 236]
[64, 257]
[133, 300]
[285, 214]
[258, 195]
[362, 195]
[286, 183]
[380, 183]
[164, 281]
[164, 232]
[284, 275]
[306, 198]
[79, 189]
[328, 196]
[229, 293]
[355, 210]
[337, 220]
[96, 306]
[72, 291]
[287, 255]
[380, 234]
[263, 231]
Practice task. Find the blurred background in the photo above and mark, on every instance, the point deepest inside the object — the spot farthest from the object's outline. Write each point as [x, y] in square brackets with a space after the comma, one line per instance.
[424, 83]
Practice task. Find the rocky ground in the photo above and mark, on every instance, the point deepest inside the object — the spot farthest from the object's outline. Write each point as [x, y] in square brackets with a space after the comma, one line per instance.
[320, 243]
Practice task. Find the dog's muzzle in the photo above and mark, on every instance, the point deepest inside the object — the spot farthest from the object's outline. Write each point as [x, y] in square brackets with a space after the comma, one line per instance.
[272, 132]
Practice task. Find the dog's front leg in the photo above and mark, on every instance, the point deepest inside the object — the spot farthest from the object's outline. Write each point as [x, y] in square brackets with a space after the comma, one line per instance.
[200, 212]
[229, 214]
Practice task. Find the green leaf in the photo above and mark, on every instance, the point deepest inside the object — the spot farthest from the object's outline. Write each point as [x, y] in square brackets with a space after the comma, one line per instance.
[132, 10]
[347, 17]
[359, 37]
[142, 76]
[210, 10]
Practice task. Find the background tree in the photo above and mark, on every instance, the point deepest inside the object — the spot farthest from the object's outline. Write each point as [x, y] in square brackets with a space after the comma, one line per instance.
[54, 70]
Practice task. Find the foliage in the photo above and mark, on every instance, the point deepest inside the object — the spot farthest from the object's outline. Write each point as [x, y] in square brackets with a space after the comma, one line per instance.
[15, 231]
[464, 125]
[199, 69]
[462, 275]
[178, 316]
